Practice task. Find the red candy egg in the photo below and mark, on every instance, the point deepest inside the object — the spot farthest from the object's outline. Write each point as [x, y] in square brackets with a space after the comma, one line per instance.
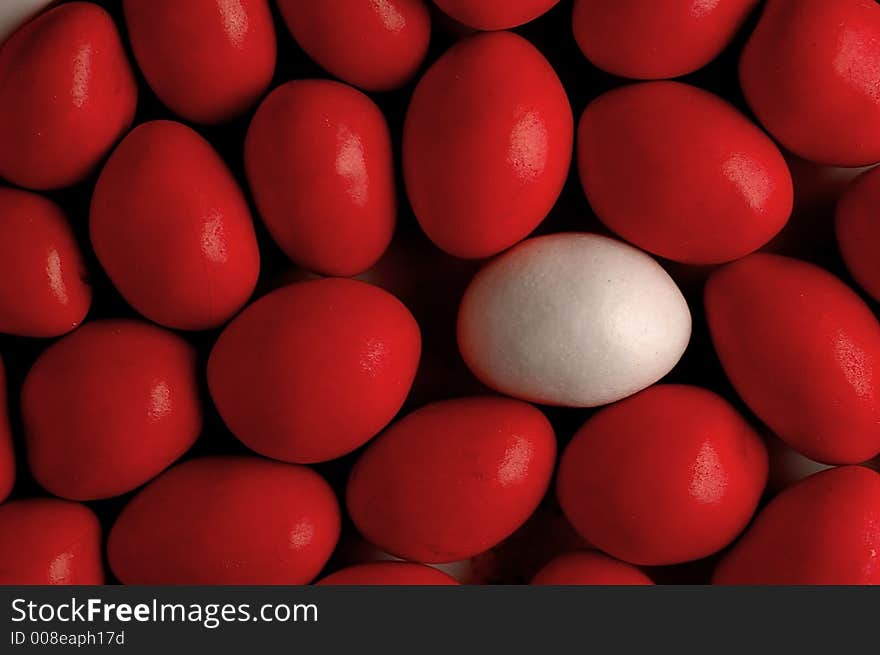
[669, 475]
[108, 407]
[709, 186]
[589, 568]
[803, 351]
[656, 40]
[377, 45]
[389, 573]
[452, 479]
[858, 230]
[319, 163]
[314, 370]
[7, 454]
[226, 520]
[486, 144]
[811, 71]
[172, 228]
[207, 60]
[67, 94]
[821, 531]
[46, 541]
[43, 288]
[495, 14]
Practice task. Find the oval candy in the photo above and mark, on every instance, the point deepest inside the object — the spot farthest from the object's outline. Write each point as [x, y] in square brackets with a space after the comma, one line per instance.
[810, 73]
[226, 520]
[313, 370]
[857, 225]
[43, 287]
[820, 531]
[67, 93]
[47, 541]
[572, 319]
[803, 351]
[319, 163]
[453, 478]
[209, 61]
[671, 475]
[487, 144]
[377, 45]
[173, 230]
[108, 407]
[656, 40]
[710, 186]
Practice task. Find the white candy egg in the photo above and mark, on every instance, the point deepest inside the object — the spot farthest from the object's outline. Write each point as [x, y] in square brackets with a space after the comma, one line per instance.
[572, 319]
[15, 12]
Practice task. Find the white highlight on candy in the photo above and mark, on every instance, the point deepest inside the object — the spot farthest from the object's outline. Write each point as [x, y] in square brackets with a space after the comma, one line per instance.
[573, 319]
[235, 21]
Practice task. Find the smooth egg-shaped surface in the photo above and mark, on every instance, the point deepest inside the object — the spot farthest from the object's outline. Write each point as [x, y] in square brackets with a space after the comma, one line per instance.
[810, 73]
[453, 478]
[47, 541]
[709, 187]
[209, 61]
[173, 230]
[108, 407]
[315, 369]
[67, 93]
[572, 319]
[487, 144]
[803, 351]
[376, 45]
[227, 520]
[656, 40]
[43, 287]
[319, 163]
[820, 531]
[670, 475]
[857, 224]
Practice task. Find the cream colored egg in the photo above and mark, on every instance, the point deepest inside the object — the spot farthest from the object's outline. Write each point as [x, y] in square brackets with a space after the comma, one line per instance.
[572, 319]
[14, 13]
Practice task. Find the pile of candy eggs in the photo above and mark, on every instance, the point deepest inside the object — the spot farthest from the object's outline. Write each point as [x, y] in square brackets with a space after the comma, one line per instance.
[439, 292]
